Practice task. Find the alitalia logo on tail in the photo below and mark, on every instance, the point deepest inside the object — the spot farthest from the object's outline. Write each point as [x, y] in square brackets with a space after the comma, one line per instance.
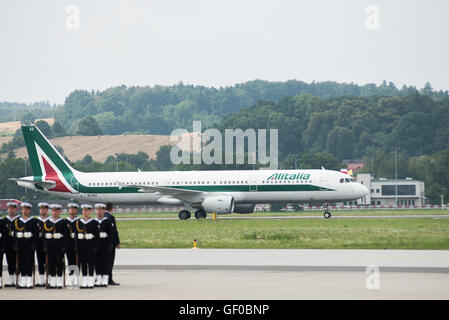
[46, 162]
[50, 172]
[289, 176]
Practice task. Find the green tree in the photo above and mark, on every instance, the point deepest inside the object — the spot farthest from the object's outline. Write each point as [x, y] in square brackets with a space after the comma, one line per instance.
[340, 143]
[28, 118]
[44, 127]
[88, 126]
[87, 159]
[58, 130]
[319, 160]
[163, 162]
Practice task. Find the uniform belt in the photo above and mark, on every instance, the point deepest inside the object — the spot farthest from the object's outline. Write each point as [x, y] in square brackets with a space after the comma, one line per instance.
[25, 235]
[103, 235]
[72, 235]
[53, 236]
[87, 236]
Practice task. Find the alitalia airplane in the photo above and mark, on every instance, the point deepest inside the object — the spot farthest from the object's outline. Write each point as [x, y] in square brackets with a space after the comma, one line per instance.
[221, 192]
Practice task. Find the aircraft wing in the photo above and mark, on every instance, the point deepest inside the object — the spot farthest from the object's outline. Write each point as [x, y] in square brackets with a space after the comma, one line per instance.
[182, 194]
[44, 184]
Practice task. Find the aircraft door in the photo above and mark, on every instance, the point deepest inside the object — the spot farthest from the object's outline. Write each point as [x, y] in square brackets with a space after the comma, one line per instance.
[253, 184]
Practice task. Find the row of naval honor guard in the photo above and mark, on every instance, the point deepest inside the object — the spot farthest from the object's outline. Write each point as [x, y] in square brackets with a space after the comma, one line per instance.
[88, 243]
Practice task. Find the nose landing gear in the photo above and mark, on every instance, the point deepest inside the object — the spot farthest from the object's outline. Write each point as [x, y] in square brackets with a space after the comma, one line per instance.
[327, 213]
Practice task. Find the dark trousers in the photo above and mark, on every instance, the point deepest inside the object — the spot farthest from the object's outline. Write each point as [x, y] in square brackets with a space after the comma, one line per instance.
[26, 261]
[71, 256]
[87, 255]
[11, 260]
[1, 264]
[111, 263]
[55, 260]
[102, 261]
[40, 255]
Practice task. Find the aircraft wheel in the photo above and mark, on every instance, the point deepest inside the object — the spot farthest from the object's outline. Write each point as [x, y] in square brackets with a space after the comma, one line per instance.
[200, 214]
[184, 214]
[327, 215]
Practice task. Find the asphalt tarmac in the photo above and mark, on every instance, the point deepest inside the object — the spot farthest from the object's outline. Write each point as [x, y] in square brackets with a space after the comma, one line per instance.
[267, 274]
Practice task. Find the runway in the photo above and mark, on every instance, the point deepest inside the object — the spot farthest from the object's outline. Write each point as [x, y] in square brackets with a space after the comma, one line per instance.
[435, 216]
[267, 274]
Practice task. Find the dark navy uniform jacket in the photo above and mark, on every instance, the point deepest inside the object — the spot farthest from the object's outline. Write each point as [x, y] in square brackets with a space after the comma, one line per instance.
[85, 228]
[56, 234]
[116, 239]
[26, 233]
[7, 231]
[106, 235]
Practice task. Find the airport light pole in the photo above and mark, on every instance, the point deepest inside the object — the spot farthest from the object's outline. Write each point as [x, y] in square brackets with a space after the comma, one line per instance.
[443, 190]
[396, 174]
[116, 162]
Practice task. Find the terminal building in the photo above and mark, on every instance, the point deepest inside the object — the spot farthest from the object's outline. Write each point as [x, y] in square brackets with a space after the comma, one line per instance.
[383, 191]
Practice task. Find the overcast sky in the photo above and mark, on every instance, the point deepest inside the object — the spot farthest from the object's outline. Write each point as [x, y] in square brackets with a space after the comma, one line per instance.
[45, 54]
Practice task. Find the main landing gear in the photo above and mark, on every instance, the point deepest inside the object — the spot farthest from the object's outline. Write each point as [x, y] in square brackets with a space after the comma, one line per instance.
[185, 214]
[200, 214]
[327, 213]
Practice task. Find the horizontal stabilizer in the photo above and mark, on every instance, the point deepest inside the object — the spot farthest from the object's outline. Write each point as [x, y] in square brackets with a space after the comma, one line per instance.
[44, 184]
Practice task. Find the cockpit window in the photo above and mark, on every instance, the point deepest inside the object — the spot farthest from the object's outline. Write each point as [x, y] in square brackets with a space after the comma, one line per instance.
[342, 180]
[346, 180]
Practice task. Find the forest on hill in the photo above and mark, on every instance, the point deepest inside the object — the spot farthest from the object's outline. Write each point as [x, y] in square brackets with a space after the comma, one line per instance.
[161, 109]
[351, 127]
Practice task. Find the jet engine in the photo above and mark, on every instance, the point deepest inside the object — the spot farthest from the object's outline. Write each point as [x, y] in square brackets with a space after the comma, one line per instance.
[218, 204]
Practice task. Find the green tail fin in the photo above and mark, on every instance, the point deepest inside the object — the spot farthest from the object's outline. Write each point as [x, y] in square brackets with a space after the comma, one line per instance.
[42, 153]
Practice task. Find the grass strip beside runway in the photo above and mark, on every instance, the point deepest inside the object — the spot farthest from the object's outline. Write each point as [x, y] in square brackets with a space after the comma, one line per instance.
[362, 212]
[412, 233]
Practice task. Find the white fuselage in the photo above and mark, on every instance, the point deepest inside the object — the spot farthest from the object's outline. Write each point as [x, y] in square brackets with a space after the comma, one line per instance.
[245, 186]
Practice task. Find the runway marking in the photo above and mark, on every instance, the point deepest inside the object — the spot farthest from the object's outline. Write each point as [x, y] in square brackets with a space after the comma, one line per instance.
[280, 268]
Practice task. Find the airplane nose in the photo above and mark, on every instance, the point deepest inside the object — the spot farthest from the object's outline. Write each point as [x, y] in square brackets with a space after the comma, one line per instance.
[364, 191]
